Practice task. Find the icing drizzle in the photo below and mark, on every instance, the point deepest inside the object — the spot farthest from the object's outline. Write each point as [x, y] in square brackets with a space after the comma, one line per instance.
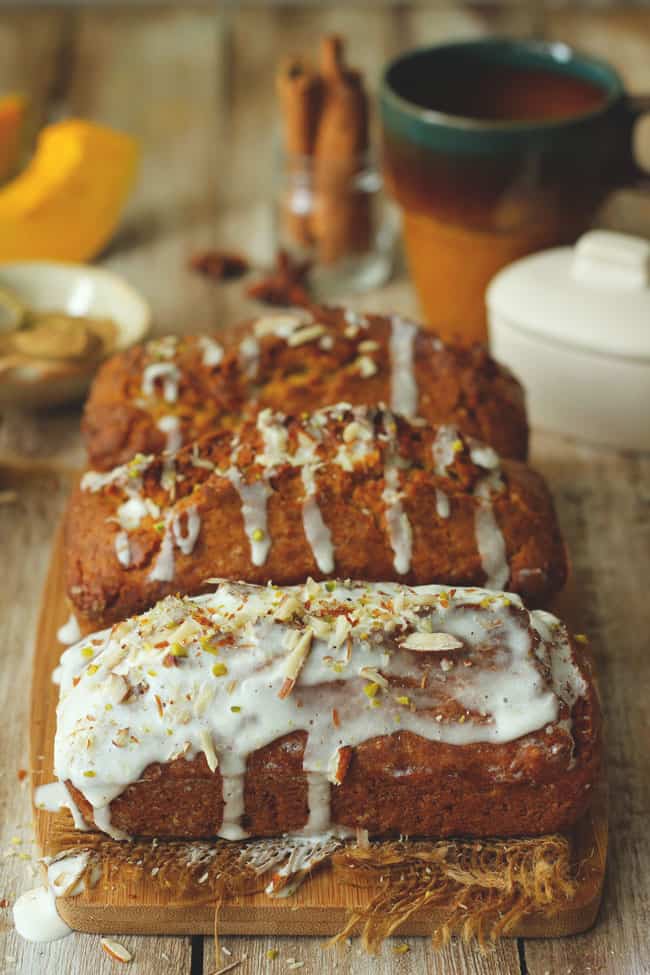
[494, 673]
[403, 386]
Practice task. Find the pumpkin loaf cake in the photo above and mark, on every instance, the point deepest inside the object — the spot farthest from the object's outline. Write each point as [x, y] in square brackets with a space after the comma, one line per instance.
[173, 390]
[349, 492]
[260, 711]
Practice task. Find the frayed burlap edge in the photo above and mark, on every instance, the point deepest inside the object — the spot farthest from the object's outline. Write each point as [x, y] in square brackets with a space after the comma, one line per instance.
[484, 887]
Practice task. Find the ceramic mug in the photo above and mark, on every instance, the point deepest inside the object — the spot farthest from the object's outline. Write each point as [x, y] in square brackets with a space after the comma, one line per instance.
[495, 149]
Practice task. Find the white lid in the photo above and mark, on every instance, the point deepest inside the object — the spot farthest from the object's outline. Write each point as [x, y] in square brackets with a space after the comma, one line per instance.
[594, 296]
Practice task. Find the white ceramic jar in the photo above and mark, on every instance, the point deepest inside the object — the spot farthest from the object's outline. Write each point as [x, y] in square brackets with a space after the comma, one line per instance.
[573, 323]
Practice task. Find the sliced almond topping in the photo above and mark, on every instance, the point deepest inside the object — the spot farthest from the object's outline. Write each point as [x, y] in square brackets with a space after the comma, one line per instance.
[276, 325]
[295, 662]
[121, 738]
[209, 750]
[339, 764]
[307, 334]
[352, 431]
[117, 688]
[115, 950]
[374, 675]
[367, 366]
[290, 606]
[188, 629]
[431, 642]
[203, 699]
[368, 345]
[322, 628]
[341, 629]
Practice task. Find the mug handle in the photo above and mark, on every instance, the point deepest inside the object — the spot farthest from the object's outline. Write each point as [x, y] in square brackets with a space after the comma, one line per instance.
[636, 107]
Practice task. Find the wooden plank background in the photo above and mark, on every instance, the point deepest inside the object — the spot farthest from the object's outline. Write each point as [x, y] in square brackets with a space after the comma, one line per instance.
[194, 84]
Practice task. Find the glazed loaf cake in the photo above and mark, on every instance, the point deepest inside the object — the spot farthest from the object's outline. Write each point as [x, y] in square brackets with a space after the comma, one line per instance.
[171, 391]
[260, 711]
[346, 491]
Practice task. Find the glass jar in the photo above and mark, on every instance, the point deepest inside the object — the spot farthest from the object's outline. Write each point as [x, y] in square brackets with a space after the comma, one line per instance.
[334, 214]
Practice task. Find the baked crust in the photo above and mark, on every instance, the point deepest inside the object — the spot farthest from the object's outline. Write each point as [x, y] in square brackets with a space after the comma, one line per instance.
[260, 368]
[352, 504]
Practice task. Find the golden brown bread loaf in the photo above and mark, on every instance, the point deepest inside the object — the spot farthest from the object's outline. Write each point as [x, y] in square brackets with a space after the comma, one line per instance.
[171, 391]
[257, 710]
[347, 492]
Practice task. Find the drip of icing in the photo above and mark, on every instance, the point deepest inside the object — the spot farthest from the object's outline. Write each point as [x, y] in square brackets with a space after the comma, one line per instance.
[443, 507]
[489, 538]
[170, 376]
[55, 796]
[212, 351]
[69, 633]
[399, 527]
[403, 386]
[123, 549]
[171, 426]
[444, 449]
[316, 531]
[163, 568]
[187, 541]
[35, 915]
[233, 808]
[318, 803]
[508, 684]
[274, 437]
[253, 508]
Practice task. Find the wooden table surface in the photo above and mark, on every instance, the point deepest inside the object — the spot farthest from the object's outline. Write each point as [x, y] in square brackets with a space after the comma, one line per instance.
[195, 86]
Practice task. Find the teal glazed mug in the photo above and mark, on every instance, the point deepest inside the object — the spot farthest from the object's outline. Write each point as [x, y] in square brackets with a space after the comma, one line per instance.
[495, 149]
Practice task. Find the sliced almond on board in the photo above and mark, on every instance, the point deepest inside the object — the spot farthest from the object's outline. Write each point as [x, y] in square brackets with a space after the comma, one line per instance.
[115, 950]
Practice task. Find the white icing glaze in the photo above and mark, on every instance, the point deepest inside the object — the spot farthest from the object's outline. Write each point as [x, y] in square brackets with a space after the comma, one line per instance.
[212, 351]
[443, 508]
[164, 567]
[482, 455]
[489, 538]
[444, 448]
[123, 549]
[253, 508]
[55, 796]
[35, 915]
[399, 527]
[167, 372]
[233, 797]
[403, 386]
[69, 633]
[171, 426]
[318, 803]
[131, 512]
[187, 541]
[316, 531]
[513, 681]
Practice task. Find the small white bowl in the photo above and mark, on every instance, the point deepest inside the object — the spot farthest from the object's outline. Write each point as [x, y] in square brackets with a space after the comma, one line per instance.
[76, 289]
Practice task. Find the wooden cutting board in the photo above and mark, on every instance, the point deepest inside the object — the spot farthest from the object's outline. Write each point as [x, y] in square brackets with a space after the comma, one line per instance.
[136, 904]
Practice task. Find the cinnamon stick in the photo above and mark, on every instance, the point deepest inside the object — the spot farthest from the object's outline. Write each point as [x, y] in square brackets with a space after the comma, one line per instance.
[342, 218]
[300, 91]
